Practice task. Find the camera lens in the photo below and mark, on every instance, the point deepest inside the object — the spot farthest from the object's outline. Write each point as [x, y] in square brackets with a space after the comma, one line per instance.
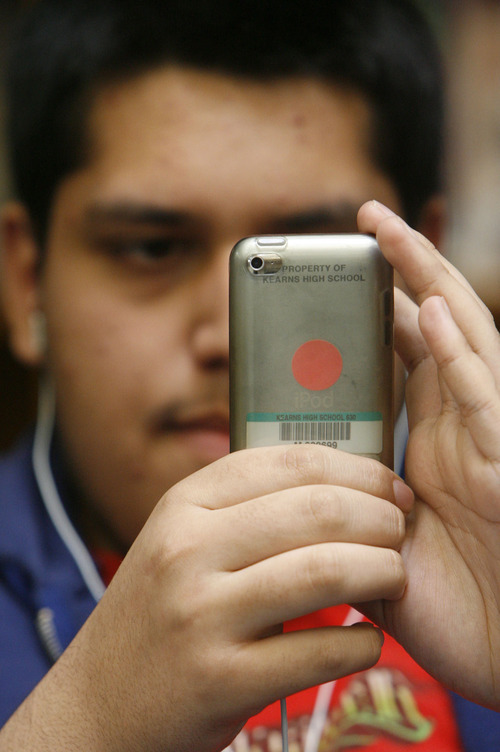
[257, 262]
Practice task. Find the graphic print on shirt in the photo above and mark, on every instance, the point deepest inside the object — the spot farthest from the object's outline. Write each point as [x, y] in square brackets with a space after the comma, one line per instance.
[376, 707]
[378, 703]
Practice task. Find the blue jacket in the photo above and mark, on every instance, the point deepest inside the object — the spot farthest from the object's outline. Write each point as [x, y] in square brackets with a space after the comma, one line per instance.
[49, 586]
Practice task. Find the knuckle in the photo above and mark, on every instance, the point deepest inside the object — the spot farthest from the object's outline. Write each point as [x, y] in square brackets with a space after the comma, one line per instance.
[175, 552]
[395, 571]
[185, 612]
[322, 506]
[397, 525]
[323, 570]
[307, 463]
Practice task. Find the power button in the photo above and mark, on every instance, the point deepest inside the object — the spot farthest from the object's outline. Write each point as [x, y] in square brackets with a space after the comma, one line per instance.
[271, 241]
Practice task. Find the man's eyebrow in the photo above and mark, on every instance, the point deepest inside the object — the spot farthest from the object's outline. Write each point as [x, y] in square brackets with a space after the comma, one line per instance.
[342, 215]
[132, 213]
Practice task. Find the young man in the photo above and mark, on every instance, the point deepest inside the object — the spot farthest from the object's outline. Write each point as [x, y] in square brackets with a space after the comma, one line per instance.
[146, 141]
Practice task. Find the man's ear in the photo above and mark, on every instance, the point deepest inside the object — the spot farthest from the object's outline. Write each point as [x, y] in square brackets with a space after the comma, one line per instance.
[19, 280]
[432, 221]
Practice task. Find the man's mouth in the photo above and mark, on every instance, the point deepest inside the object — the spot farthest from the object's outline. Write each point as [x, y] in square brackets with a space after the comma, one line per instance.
[202, 431]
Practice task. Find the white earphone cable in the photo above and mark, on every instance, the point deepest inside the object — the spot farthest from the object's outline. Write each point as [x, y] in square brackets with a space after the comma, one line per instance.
[50, 495]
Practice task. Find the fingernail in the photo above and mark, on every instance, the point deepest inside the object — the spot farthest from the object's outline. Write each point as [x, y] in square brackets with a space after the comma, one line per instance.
[382, 209]
[403, 495]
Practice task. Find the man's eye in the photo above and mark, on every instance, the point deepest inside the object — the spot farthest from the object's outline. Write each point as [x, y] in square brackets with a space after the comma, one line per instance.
[152, 253]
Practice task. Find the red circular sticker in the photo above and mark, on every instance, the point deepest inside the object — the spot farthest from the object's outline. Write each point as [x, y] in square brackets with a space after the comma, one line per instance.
[317, 364]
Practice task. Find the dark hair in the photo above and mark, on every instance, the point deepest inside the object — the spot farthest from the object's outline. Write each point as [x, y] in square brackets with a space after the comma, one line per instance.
[62, 51]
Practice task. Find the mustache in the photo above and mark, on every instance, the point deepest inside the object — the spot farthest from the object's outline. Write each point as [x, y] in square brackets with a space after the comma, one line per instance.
[210, 409]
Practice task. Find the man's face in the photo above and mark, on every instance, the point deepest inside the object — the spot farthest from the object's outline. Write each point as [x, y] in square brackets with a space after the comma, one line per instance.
[135, 281]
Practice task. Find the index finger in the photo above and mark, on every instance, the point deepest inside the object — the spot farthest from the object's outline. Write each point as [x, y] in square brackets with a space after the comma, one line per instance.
[427, 274]
[251, 473]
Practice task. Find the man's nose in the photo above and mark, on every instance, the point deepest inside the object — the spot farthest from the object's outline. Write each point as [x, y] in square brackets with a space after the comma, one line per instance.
[210, 334]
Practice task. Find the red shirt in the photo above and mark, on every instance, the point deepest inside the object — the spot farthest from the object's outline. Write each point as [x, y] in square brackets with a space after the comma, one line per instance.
[393, 707]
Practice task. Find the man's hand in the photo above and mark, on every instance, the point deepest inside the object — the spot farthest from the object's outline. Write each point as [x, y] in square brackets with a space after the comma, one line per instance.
[186, 643]
[449, 618]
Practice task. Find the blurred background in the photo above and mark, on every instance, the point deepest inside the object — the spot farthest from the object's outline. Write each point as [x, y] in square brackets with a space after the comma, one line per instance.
[17, 384]
[469, 31]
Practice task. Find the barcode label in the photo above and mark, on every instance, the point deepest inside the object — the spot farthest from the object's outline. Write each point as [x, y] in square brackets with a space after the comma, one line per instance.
[315, 431]
[361, 433]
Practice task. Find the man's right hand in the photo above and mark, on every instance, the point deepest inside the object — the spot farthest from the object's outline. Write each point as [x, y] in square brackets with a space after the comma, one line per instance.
[187, 643]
